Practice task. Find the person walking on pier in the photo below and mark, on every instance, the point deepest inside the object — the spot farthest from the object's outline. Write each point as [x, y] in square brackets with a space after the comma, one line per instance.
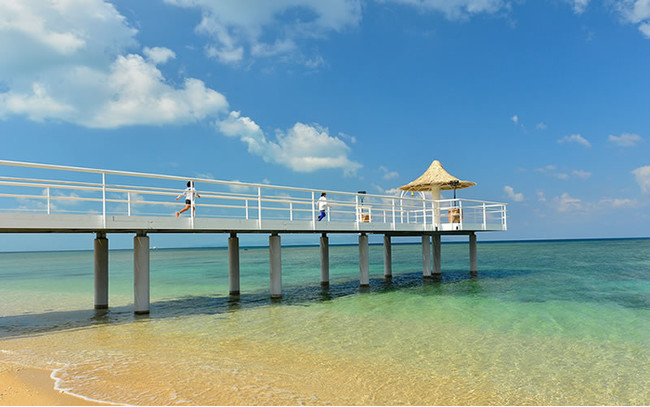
[322, 206]
[189, 193]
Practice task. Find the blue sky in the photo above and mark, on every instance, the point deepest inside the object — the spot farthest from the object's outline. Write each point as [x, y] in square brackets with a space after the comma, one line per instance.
[544, 104]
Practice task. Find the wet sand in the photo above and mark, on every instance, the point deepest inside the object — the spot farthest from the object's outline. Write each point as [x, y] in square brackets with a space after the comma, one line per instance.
[25, 386]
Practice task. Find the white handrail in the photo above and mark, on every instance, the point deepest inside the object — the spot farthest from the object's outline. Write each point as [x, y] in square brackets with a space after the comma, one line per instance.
[277, 202]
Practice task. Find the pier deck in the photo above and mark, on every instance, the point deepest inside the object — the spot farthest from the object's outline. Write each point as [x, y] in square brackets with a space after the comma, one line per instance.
[44, 198]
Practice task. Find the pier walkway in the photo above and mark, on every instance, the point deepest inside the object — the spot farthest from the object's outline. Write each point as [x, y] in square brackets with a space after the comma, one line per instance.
[43, 198]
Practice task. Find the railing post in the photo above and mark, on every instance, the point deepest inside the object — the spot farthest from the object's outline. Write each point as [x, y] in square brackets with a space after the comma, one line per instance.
[259, 207]
[128, 199]
[357, 210]
[48, 200]
[192, 209]
[484, 217]
[104, 199]
[313, 211]
[291, 211]
[246, 209]
[393, 201]
[460, 211]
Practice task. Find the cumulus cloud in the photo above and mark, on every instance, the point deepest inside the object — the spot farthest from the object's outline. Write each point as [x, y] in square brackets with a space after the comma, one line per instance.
[65, 63]
[515, 196]
[581, 174]
[35, 35]
[245, 29]
[388, 175]
[158, 55]
[303, 148]
[625, 139]
[132, 92]
[579, 6]
[642, 175]
[566, 203]
[575, 138]
[635, 12]
[456, 9]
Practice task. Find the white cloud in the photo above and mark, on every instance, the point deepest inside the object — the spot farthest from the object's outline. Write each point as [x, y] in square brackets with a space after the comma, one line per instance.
[566, 203]
[388, 175]
[457, 9]
[63, 62]
[158, 55]
[642, 175]
[581, 174]
[515, 119]
[579, 6]
[635, 12]
[541, 126]
[37, 36]
[302, 148]
[618, 203]
[625, 139]
[132, 92]
[540, 196]
[575, 138]
[510, 192]
[241, 29]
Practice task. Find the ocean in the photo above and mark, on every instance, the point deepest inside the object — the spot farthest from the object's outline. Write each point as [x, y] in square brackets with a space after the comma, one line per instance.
[543, 323]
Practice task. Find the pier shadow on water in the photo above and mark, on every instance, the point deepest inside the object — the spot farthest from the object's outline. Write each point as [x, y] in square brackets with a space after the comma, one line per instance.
[449, 283]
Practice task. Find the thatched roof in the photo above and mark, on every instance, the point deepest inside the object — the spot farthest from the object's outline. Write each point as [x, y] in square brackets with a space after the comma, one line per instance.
[436, 177]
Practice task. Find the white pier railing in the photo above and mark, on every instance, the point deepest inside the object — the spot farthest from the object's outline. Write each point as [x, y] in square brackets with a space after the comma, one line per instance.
[31, 188]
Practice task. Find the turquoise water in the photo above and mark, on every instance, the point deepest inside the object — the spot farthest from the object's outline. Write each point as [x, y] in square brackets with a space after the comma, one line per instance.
[557, 322]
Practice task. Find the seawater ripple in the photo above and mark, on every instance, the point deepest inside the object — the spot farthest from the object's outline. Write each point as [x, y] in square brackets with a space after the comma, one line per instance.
[542, 323]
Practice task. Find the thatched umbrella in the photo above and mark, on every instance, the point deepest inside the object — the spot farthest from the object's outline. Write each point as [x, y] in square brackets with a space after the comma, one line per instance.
[435, 179]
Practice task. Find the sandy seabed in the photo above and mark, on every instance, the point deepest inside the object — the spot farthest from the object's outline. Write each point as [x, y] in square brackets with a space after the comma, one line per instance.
[26, 386]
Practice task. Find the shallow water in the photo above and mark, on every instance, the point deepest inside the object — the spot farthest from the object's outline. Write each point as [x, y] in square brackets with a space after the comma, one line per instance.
[543, 323]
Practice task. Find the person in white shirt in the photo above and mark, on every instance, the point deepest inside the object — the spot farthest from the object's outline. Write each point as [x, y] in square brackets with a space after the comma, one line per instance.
[189, 194]
[322, 205]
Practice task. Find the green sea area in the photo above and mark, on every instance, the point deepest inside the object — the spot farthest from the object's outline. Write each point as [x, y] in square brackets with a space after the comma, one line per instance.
[542, 323]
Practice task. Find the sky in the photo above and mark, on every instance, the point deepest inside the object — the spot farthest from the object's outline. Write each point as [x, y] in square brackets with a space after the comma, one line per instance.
[545, 104]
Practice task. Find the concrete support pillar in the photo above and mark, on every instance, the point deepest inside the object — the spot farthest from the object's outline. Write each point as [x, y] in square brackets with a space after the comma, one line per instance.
[473, 264]
[426, 257]
[101, 271]
[324, 260]
[388, 258]
[364, 261]
[437, 270]
[141, 273]
[275, 265]
[233, 263]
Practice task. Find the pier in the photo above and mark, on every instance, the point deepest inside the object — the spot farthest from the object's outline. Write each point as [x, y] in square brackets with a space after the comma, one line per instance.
[44, 198]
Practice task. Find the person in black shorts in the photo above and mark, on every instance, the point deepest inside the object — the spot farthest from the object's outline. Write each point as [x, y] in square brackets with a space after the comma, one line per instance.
[189, 194]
